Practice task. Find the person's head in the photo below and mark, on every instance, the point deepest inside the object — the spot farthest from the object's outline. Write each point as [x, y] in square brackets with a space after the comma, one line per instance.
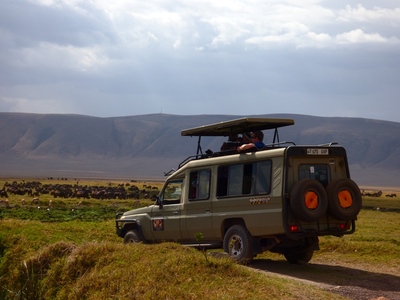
[246, 138]
[259, 135]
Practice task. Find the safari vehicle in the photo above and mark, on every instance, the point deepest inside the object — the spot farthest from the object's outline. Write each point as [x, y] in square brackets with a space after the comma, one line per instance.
[280, 198]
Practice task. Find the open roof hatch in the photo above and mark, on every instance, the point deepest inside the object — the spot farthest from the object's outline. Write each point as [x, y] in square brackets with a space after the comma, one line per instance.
[237, 126]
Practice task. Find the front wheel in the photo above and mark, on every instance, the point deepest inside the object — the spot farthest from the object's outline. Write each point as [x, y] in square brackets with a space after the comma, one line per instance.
[132, 236]
[237, 244]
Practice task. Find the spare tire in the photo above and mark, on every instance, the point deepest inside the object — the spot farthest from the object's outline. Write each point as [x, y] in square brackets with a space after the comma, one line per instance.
[345, 199]
[309, 200]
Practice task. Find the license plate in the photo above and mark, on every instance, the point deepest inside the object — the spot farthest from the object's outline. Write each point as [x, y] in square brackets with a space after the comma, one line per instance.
[317, 151]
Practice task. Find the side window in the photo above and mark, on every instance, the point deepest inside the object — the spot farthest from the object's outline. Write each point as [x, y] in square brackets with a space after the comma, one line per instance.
[235, 180]
[222, 184]
[247, 179]
[172, 192]
[263, 177]
[199, 188]
[244, 179]
[317, 172]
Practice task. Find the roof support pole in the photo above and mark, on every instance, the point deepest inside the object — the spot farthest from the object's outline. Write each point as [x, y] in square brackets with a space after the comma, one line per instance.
[276, 136]
[199, 150]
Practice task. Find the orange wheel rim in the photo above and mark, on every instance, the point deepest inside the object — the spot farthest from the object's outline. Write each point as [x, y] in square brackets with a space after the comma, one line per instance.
[345, 199]
[311, 200]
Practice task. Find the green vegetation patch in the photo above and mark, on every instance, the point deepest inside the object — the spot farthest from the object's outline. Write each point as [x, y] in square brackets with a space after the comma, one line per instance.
[109, 270]
[382, 203]
[86, 260]
[69, 250]
[376, 239]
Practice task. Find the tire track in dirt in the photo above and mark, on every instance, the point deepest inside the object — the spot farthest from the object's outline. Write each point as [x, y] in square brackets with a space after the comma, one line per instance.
[339, 278]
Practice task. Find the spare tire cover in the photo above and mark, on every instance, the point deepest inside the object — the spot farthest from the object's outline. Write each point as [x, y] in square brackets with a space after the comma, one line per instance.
[344, 199]
[308, 200]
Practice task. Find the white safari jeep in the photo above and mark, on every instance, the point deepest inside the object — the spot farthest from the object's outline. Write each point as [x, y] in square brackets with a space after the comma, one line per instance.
[280, 198]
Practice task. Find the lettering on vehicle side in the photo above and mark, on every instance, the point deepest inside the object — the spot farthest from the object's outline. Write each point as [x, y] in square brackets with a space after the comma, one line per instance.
[260, 200]
[158, 224]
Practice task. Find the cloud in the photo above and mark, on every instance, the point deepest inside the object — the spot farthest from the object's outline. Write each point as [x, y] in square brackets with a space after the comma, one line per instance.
[35, 106]
[105, 57]
[358, 36]
[360, 14]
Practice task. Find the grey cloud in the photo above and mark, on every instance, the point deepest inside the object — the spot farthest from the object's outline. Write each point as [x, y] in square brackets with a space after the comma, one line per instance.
[31, 24]
[179, 60]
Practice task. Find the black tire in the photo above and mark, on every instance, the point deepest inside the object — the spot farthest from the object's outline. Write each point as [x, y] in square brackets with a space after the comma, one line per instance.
[237, 244]
[299, 257]
[132, 236]
[309, 200]
[345, 199]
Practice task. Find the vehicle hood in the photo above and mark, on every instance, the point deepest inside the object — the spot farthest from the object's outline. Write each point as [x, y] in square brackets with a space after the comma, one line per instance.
[138, 211]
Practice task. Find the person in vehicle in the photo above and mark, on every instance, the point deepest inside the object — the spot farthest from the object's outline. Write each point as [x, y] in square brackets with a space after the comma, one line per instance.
[233, 143]
[256, 142]
[246, 138]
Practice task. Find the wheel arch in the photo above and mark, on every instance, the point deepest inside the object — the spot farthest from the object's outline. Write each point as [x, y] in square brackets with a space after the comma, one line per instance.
[132, 225]
[227, 223]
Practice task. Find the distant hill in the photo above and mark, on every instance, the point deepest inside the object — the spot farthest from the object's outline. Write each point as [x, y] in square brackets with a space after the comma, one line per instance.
[145, 146]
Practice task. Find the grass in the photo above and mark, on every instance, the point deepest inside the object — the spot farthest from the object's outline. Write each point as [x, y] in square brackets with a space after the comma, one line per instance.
[382, 203]
[375, 242]
[68, 209]
[70, 252]
[86, 260]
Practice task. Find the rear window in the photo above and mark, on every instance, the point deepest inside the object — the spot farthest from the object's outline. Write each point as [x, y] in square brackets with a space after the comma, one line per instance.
[317, 172]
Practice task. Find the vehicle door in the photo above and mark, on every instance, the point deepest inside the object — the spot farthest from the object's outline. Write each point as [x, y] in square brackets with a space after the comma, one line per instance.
[197, 211]
[165, 217]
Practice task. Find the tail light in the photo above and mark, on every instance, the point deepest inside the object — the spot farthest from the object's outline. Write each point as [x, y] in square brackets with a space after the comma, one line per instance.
[344, 226]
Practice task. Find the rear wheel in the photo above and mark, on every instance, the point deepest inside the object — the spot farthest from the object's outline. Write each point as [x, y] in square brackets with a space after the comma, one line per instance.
[132, 236]
[308, 200]
[345, 199]
[298, 257]
[237, 244]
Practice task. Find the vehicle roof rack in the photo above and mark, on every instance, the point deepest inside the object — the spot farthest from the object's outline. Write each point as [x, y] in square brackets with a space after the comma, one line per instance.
[237, 126]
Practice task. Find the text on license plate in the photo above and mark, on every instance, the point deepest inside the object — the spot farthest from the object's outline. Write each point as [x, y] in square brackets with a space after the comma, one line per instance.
[315, 151]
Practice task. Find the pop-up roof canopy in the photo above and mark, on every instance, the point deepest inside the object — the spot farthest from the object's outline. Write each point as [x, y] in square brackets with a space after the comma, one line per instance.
[237, 126]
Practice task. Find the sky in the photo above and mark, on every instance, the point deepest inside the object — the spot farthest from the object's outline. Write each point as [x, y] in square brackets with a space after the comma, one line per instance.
[132, 57]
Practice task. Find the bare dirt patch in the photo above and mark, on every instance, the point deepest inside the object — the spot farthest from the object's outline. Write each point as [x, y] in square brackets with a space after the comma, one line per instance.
[351, 281]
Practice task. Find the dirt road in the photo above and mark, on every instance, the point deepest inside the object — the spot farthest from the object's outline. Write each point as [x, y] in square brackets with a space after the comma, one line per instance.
[354, 282]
